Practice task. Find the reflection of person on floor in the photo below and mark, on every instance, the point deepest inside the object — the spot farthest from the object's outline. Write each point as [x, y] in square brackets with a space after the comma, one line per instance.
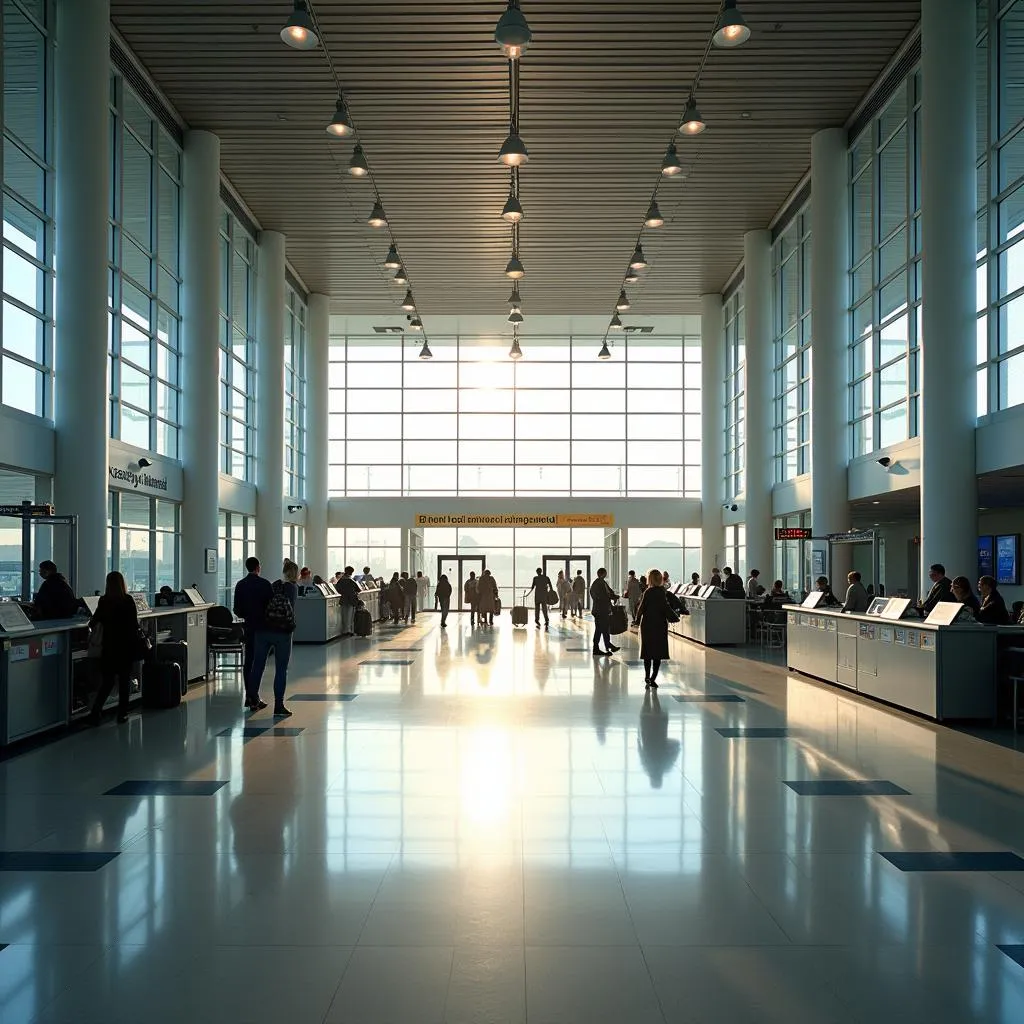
[657, 752]
[443, 658]
[541, 663]
[600, 702]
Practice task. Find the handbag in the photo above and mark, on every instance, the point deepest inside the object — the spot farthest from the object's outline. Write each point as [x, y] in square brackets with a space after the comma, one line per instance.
[497, 606]
[143, 645]
[552, 598]
[671, 615]
[95, 641]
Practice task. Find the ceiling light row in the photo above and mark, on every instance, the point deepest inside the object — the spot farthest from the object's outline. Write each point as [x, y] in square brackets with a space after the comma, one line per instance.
[302, 32]
[730, 31]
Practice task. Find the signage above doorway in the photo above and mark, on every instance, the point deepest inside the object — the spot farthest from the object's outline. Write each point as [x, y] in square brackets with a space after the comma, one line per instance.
[573, 519]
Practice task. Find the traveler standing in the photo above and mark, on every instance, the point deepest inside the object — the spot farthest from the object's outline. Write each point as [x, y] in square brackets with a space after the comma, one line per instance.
[487, 598]
[753, 582]
[716, 578]
[118, 617]
[276, 635]
[857, 600]
[349, 591]
[732, 585]
[564, 590]
[541, 587]
[396, 598]
[601, 598]
[653, 615]
[579, 593]
[252, 594]
[443, 598]
[632, 594]
[471, 595]
[409, 588]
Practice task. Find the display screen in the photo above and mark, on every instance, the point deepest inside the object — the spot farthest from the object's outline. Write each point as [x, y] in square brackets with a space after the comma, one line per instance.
[986, 555]
[1008, 559]
[792, 533]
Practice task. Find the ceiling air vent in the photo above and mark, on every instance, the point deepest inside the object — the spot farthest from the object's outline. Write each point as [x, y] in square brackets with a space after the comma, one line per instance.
[637, 329]
[388, 330]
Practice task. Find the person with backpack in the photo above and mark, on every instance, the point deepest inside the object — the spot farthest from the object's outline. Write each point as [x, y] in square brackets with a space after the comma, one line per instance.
[579, 593]
[409, 593]
[396, 598]
[276, 635]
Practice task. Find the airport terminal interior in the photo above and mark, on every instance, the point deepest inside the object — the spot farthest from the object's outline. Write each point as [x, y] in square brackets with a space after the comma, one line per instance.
[634, 395]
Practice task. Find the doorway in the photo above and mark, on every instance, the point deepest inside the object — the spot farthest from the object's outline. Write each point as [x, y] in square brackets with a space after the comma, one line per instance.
[457, 568]
[570, 565]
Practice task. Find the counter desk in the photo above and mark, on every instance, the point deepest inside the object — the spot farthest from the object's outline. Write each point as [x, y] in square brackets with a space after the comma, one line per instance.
[938, 670]
[320, 616]
[714, 620]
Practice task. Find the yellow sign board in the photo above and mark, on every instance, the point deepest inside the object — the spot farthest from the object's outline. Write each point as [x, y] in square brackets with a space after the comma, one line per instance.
[520, 519]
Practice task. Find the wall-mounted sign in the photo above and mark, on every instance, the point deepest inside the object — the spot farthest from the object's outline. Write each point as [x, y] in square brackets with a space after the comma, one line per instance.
[27, 511]
[852, 537]
[986, 555]
[1008, 559]
[211, 561]
[792, 533]
[136, 478]
[573, 519]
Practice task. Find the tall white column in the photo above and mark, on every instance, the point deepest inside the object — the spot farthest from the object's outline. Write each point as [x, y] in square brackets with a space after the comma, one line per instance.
[760, 391]
[200, 355]
[317, 370]
[948, 414]
[712, 356]
[81, 407]
[830, 233]
[270, 300]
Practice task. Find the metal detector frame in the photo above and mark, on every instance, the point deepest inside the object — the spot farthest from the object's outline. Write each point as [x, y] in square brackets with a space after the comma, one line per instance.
[30, 516]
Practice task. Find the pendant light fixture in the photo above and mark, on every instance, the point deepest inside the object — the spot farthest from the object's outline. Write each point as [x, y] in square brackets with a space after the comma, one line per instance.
[357, 166]
[408, 303]
[631, 276]
[401, 277]
[616, 322]
[692, 123]
[341, 125]
[638, 262]
[604, 354]
[513, 151]
[514, 268]
[512, 33]
[516, 317]
[425, 352]
[416, 323]
[513, 211]
[515, 352]
[671, 166]
[623, 304]
[654, 218]
[391, 261]
[377, 218]
[299, 31]
[732, 29]
[514, 300]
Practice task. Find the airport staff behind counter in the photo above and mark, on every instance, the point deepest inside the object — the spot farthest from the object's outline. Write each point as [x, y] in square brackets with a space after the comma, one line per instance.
[55, 599]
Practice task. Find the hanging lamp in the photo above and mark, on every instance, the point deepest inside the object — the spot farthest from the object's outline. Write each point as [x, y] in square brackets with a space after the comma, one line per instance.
[408, 303]
[654, 218]
[732, 29]
[692, 123]
[401, 277]
[299, 31]
[513, 152]
[515, 352]
[425, 352]
[514, 268]
[623, 304]
[341, 125]
[604, 354]
[631, 276]
[616, 322]
[513, 210]
[357, 166]
[512, 33]
[377, 219]
[671, 166]
[516, 316]
[392, 261]
[638, 262]
[416, 323]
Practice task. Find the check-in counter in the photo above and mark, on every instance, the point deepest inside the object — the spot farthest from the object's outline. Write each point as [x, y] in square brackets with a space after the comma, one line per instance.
[370, 596]
[938, 670]
[714, 620]
[317, 614]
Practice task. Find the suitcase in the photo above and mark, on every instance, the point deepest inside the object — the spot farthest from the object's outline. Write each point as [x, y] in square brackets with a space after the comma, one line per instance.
[161, 685]
[175, 652]
[520, 615]
[362, 623]
[617, 622]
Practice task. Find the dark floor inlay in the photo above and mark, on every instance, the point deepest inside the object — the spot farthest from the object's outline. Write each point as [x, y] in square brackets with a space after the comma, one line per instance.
[322, 696]
[708, 698]
[846, 787]
[252, 731]
[995, 860]
[400, 650]
[755, 733]
[37, 860]
[382, 662]
[3, 946]
[1015, 953]
[166, 787]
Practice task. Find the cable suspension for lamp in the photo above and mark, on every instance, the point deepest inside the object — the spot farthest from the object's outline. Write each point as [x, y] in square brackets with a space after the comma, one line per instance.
[730, 31]
[359, 166]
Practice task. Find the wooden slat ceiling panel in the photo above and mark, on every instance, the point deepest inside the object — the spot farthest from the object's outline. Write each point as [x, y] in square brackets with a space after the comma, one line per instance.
[602, 87]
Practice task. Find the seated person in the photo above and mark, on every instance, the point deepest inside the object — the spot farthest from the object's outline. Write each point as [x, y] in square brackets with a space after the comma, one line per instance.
[993, 608]
[857, 601]
[778, 594]
[963, 593]
[942, 589]
[55, 599]
[823, 586]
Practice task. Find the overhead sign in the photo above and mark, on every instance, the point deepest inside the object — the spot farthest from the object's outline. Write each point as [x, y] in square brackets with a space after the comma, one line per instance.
[137, 478]
[27, 511]
[792, 533]
[579, 520]
[852, 537]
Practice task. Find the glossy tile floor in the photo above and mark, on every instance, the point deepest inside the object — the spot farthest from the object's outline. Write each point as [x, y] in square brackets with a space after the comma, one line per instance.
[499, 828]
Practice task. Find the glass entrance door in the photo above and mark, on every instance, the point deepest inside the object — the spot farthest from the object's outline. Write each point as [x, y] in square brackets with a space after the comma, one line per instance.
[457, 568]
[570, 565]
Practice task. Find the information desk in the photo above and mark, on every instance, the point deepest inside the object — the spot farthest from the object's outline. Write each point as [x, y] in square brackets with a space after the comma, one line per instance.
[317, 614]
[713, 620]
[935, 670]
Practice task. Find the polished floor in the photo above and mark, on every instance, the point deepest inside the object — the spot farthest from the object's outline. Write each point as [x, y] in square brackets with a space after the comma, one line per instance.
[490, 825]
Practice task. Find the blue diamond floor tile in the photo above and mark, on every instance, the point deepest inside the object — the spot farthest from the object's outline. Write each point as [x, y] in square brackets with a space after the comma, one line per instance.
[322, 697]
[30, 860]
[1015, 953]
[708, 698]
[995, 860]
[166, 787]
[755, 733]
[252, 731]
[846, 787]
[382, 662]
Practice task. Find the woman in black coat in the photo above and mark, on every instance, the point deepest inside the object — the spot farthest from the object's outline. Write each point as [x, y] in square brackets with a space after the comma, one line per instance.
[118, 617]
[653, 616]
[443, 597]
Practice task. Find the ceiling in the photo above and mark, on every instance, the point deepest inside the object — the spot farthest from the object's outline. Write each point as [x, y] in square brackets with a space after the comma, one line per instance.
[602, 88]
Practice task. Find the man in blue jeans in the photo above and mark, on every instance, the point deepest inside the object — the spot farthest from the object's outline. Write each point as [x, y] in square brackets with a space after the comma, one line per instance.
[276, 635]
[252, 594]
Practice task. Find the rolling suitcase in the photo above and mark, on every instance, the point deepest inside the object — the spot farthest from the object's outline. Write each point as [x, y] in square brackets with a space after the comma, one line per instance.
[175, 652]
[520, 615]
[362, 623]
[161, 684]
[617, 622]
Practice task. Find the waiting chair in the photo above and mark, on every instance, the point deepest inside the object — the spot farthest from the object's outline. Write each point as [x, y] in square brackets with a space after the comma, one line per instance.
[225, 638]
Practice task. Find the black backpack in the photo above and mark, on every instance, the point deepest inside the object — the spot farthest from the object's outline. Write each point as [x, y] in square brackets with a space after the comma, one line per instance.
[279, 616]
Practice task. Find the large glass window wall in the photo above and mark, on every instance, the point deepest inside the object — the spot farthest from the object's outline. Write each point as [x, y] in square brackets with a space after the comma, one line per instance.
[237, 542]
[735, 393]
[295, 396]
[144, 283]
[378, 547]
[473, 422]
[237, 350]
[1000, 337]
[791, 322]
[793, 557]
[293, 545]
[143, 541]
[26, 339]
[885, 273]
